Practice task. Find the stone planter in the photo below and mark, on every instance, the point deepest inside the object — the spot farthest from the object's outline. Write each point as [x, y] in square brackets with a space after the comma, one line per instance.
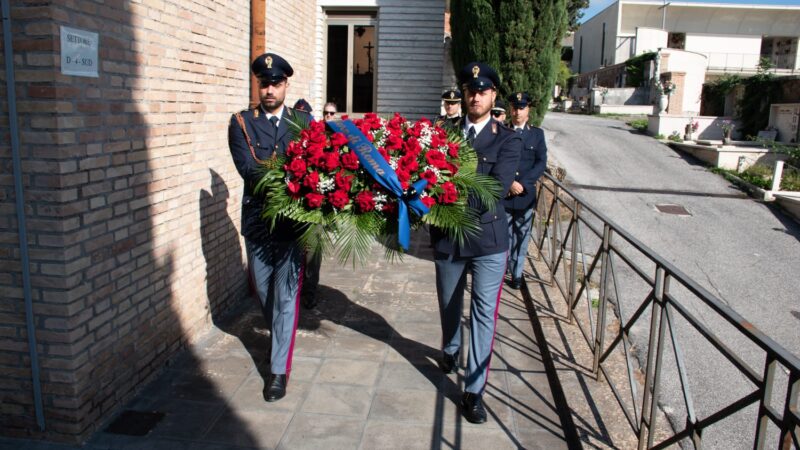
[663, 103]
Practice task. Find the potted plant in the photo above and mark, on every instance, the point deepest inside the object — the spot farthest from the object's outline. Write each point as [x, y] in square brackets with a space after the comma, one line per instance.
[727, 131]
[664, 89]
[690, 128]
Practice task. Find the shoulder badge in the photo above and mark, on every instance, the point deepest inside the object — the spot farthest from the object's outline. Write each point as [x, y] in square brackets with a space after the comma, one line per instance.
[255, 112]
[494, 127]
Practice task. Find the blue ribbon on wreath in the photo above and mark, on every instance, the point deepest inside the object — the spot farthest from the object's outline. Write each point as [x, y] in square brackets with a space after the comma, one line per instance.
[372, 161]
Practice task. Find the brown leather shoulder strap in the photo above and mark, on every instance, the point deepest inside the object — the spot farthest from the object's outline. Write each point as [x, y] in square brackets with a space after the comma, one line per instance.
[240, 120]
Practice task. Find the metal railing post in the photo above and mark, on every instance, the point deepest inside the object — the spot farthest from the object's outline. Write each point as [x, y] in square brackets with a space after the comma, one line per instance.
[649, 393]
[766, 395]
[573, 268]
[556, 227]
[599, 335]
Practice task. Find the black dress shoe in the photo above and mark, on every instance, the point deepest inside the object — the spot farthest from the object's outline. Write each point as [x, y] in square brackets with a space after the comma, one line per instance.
[472, 408]
[276, 388]
[449, 362]
[515, 283]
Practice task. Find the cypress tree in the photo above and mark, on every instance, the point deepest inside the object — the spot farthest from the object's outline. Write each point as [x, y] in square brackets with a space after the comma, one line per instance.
[516, 49]
[474, 30]
[520, 38]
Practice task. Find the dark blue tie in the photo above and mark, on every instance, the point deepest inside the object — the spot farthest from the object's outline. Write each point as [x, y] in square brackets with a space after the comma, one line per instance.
[471, 135]
[273, 129]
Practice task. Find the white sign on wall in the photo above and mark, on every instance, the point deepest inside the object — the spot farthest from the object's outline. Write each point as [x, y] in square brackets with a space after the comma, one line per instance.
[79, 52]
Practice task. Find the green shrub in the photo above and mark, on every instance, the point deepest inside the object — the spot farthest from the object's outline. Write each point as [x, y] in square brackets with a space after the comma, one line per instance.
[675, 137]
[638, 124]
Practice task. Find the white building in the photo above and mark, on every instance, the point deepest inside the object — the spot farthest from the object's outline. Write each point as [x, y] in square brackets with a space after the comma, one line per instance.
[731, 37]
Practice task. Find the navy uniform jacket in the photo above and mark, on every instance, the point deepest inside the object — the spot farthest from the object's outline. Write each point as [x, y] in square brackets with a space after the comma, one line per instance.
[443, 120]
[532, 163]
[498, 149]
[253, 227]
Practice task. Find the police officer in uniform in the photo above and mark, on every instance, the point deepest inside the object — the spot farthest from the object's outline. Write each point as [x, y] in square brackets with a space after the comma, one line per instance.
[498, 149]
[274, 256]
[452, 107]
[522, 196]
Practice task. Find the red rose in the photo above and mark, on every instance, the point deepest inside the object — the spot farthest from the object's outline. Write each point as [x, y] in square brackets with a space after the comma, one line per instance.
[449, 193]
[311, 180]
[436, 141]
[314, 200]
[338, 140]
[349, 161]
[394, 141]
[365, 201]
[294, 149]
[330, 161]
[430, 177]
[436, 159]
[315, 156]
[402, 174]
[293, 187]
[297, 167]
[408, 163]
[343, 181]
[395, 124]
[384, 153]
[314, 134]
[452, 149]
[338, 198]
[412, 146]
[389, 208]
[427, 201]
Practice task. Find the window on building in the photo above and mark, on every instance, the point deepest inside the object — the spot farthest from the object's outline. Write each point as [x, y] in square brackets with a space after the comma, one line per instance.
[676, 40]
[351, 62]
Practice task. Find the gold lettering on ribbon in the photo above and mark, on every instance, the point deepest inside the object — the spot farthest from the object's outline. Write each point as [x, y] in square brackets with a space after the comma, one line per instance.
[363, 149]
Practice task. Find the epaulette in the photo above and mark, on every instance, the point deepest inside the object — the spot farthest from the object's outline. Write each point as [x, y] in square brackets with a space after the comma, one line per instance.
[494, 127]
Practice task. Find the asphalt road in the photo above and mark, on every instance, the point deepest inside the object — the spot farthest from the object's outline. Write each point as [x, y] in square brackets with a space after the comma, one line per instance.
[745, 252]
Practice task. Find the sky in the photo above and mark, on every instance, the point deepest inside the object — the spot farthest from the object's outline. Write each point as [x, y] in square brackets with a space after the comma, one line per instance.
[595, 6]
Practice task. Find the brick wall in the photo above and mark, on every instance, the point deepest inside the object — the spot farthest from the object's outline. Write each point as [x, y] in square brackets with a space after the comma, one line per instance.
[132, 202]
[292, 32]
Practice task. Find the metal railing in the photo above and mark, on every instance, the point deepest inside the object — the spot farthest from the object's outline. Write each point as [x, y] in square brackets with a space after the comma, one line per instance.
[594, 262]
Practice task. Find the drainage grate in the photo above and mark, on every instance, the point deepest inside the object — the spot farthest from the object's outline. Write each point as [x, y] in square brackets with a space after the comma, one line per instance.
[135, 423]
[677, 210]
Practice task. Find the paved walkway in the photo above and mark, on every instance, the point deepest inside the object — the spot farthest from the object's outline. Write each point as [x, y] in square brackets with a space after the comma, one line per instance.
[365, 375]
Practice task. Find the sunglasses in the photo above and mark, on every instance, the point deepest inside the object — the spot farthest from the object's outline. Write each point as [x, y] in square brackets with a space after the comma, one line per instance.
[329, 113]
[497, 113]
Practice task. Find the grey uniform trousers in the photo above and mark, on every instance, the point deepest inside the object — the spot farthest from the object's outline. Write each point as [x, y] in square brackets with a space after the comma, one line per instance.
[277, 271]
[519, 233]
[487, 280]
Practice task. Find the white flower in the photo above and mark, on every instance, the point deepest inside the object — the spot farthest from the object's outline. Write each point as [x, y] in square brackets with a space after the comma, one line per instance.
[393, 162]
[432, 169]
[380, 200]
[326, 184]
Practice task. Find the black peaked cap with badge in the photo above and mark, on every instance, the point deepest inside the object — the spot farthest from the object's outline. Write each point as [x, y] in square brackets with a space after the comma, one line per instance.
[499, 105]
[478, 76]
[302, 105]
[451, 96]
[519, 99]
[271, 67]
